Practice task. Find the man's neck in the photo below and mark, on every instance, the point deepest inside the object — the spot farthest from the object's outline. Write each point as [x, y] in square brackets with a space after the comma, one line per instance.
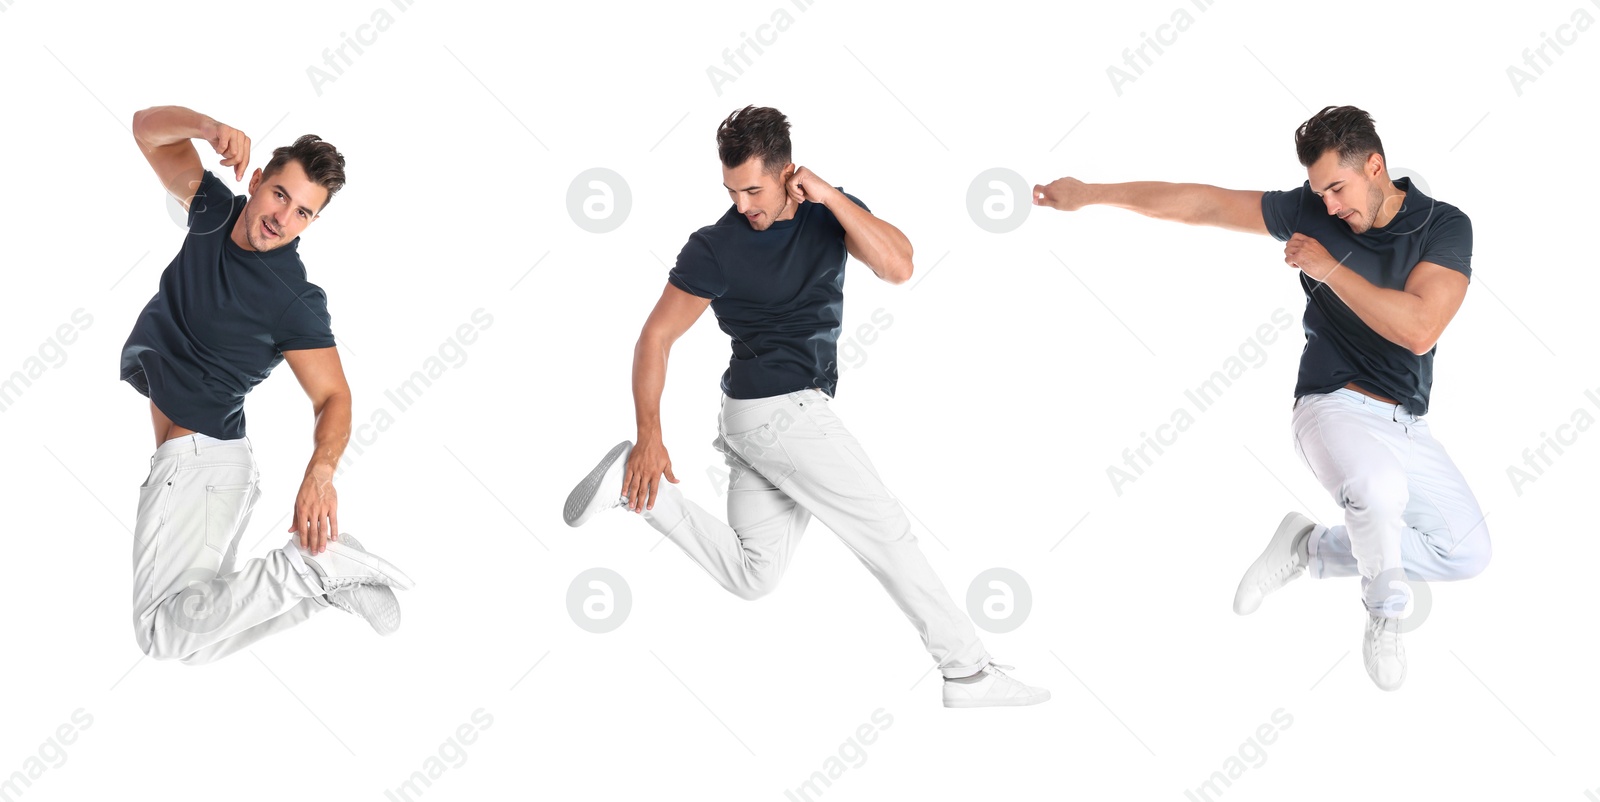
[1393, 200]
[789, 209]
[238, 233]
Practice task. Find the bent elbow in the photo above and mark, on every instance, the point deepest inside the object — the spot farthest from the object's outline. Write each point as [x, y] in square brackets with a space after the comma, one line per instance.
[1420, 343]
[899, 271]
[138, 123]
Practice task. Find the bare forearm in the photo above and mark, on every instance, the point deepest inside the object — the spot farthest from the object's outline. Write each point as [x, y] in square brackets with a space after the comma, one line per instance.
[332, 434]
[649, 378]
[166, 125]
[876, 242]
[1396, 315]
[1194, 204]
[1180, 203]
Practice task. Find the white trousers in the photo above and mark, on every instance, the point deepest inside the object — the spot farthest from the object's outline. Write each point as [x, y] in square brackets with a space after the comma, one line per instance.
[189, 603]
[791, 458]
[1408, 513]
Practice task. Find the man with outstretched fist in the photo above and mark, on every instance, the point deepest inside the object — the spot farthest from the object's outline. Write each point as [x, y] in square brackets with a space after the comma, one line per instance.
[1384, 268]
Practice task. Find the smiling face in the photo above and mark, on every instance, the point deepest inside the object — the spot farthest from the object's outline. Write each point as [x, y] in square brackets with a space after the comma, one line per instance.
[759, 195]
[281, 205]
[1353, 193]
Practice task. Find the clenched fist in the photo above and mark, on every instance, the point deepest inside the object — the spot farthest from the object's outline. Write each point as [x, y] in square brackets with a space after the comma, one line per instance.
[804, 186]
[1066, 194]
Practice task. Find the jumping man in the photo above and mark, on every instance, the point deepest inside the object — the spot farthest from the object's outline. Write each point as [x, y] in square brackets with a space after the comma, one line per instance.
[1384, 268]
[233, 304]
[772, 269]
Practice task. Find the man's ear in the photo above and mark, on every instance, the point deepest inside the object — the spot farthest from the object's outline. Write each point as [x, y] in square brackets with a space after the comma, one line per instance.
[255, 181]
[1374, 164]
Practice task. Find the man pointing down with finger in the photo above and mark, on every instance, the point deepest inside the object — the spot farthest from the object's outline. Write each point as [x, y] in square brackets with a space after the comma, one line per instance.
[772, 270]
[233, 304]
[1384, 268]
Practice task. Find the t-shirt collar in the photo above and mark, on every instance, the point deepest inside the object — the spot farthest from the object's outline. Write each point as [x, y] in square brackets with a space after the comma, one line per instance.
[1414, 200]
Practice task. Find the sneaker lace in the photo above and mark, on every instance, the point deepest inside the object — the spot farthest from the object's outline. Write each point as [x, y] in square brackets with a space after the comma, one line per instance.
[1386, 634]
[1283, 570]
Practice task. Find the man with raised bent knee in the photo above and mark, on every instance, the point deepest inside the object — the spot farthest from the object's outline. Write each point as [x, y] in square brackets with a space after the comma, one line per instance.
[1384, 268]
[231, 305]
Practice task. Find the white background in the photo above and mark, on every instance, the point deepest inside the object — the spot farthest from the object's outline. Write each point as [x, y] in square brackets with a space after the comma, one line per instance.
[1016, 370]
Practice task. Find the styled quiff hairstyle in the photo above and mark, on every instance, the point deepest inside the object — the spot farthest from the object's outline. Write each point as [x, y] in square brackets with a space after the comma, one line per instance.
[321, 160]
[1346, 129]
[754, 131]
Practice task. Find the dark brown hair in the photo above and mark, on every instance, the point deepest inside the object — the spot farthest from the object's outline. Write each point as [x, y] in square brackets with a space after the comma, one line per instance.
[1346, 129]
[321, 160]
[757, 132]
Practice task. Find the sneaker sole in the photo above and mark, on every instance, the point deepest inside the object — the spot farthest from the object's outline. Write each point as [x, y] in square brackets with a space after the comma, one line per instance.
[1273, 545]
[581, 496]
[1024, 702]
[382, 614]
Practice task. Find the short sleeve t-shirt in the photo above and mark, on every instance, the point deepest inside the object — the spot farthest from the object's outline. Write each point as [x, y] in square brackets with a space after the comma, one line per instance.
[221, 320]
[778, 294]
[1340, 347]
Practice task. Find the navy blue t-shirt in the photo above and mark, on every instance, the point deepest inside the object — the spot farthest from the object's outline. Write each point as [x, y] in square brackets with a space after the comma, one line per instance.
[1340, 348]
[221, 320]
[778, 293]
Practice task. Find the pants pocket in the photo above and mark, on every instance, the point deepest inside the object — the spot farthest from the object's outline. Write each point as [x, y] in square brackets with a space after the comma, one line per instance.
[762, 449]
[225, 510]
[155, 497]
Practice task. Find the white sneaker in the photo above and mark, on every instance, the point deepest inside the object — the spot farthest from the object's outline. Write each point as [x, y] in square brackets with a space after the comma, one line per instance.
[991, 687]
[1385, 656]
[601, 489]
[374, 603]
[1283, 561]
[345, 564]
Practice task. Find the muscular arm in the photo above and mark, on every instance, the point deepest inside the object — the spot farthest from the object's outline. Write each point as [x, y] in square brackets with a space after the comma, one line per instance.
[1195, 204]
[874, 242]
[164, 134]
[674, 313]
[1413, 318]
[316, 510]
